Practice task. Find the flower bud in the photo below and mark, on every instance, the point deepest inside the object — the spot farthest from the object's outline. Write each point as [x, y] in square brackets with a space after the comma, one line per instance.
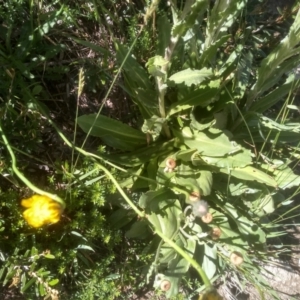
[171, 163]
[236, 258]
[215, 233]
[194, 196]
[207, 218]
[165, 285]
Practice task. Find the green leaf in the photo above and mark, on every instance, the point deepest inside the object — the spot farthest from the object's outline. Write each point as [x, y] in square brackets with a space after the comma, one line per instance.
[252, 174]
[210, 258]
[154, 201]
[112, 132]
[242, 75]
[42, 289]
[205, 181]
[209, 53]
[153, 126]
[286, 178]
[140, 156]
[139, 229]
[137, 75]
[245, 225]
[137, 83]
[28, 284]
[85, 247]
[207, 144]
[189, 77]
[263, 103]
[242, 188]
[49, 256]
[202, 96]
[168, 220]
[196, 14]
[241, 159]
[155, 64]
[53, 282]
[285, 50]
[269, 123]
[185, 155]
[120, 218]
[221, 17]
[164, 29]
[181, 266]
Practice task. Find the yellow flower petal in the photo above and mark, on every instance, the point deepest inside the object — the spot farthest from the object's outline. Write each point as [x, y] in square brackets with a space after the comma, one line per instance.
[41, 210]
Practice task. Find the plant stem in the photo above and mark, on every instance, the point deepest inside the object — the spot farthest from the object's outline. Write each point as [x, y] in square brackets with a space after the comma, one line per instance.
[23, 178]
[180, 251]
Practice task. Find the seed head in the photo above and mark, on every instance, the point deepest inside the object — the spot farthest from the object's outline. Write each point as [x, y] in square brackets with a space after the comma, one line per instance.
[200, 208]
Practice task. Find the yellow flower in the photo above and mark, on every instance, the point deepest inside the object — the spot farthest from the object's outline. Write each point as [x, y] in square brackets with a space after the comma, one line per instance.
[41, 210]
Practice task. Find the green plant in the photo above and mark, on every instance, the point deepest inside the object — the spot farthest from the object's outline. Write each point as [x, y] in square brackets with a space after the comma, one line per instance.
[205, 172]
[20, 270]
[208, 133]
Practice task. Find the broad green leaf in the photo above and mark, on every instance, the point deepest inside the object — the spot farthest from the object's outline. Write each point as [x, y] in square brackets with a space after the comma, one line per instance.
[153, 126]
[205, 181]
[210, 260]
[168, 220]
[267, 204]
[189, 184]
[147, 98]
[286, 178]
[181, 265]
[139, 229]
[189, 77]
[154, 201]
[252, 174]
[199, 126]
[177, 265]
[185, 155]
[137, 75]
[202, 96]
[112, 132]
[142, 155]
[242, 188]
[269, 123]
[240, 159]
[137, 82]
[230, 236]
[246, 226]
[213, 145]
